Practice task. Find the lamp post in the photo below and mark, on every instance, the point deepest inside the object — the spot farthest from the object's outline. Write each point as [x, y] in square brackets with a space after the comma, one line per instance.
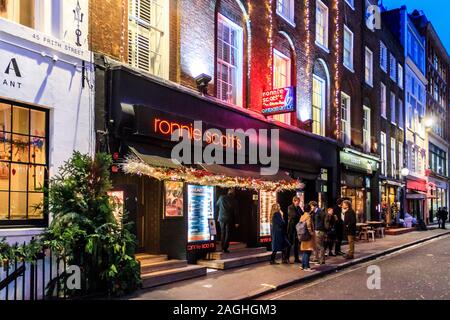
[404, 173]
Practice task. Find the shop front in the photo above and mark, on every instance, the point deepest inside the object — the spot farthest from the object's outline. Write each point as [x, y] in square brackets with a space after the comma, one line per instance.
[359, 183]
[437, 197]
[391, 192]
[416, 197]
[46, 90]
[173, 205]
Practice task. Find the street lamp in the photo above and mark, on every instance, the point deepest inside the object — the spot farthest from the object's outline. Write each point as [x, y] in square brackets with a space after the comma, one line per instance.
[429, 122]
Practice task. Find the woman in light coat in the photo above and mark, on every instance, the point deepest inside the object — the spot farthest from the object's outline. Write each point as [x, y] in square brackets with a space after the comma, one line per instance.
[307, 247]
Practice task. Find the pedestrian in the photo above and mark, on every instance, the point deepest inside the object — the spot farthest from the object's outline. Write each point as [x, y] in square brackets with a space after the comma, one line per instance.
[306, 237]
[339, 226]
[439, 216]
[228, 207]
[318, 216]
[330, 227]
[444, 217]
[294, 214]
[279, 240]
[350, 227]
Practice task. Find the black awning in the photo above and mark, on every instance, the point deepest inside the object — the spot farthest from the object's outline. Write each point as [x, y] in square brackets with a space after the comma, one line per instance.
[154, 160]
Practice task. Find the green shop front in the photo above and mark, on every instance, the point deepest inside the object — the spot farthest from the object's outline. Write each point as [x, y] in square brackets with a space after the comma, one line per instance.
[359, 183]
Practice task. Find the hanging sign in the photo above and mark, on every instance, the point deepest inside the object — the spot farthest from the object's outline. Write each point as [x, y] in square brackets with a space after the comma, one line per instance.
[278, 101]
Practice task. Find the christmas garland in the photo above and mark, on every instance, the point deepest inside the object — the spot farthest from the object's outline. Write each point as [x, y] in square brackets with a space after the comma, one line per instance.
[133, 165]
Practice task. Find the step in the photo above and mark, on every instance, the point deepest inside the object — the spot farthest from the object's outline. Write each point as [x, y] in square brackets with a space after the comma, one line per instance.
[173, 275]
[398, 231]
[144, 258]
[235, 253]
[237, 262]
[162, 265]
[233, 246]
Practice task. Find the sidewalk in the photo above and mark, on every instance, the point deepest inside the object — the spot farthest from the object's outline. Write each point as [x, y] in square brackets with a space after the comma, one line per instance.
[253, 281]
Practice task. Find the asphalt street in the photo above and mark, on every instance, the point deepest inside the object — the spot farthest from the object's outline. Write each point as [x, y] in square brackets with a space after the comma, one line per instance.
[418, 273]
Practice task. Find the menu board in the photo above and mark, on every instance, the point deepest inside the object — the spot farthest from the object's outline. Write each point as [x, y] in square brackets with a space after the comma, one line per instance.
[173, 199]
[200, 210]
[267, 199]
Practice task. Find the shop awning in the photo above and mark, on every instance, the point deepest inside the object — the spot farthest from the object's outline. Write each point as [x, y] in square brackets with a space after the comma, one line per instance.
[253, 172]
[416, 195]
[163, 169]
[155, 161]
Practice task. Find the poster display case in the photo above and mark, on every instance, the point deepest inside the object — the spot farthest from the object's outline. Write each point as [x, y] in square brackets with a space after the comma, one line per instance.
[200, 212]
[173, 199]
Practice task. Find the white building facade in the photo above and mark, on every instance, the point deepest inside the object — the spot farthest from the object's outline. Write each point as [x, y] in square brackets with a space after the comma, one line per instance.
[46, 104]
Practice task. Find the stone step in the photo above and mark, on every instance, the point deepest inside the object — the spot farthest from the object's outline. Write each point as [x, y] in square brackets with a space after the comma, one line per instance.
[235, 253]
[145, 258]
[237, 261]
[398, 231]
[233, 246]
[149, 267]
[168, 276]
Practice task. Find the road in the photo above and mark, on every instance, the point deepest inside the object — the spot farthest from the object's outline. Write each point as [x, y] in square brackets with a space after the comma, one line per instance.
[418, 273]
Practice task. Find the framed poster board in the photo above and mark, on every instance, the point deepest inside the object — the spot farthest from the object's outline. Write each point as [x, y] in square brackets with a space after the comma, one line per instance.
[266, 200]
[173, 199]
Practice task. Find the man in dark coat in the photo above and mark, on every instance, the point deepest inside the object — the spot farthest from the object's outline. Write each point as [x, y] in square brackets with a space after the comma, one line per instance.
[350, 227]
[279, 240]
[294, 215]
[227, 206]
[439, 216]
[444, 217]
[339, 226]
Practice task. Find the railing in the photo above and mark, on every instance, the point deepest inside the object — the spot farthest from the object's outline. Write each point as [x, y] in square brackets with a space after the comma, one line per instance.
[35, 280]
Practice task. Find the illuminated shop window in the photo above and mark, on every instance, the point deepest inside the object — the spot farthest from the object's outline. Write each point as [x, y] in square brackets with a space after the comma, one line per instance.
[19, 11]
[281, 79]
[23, 163]
[148, 36]
[229, 61]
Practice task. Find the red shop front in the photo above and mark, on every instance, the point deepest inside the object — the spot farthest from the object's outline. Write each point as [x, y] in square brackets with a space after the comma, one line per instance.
[416, 197]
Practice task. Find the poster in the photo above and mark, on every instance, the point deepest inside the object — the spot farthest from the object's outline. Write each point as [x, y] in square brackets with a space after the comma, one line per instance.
[173, 199]
[267, 199]
[118, 200]
[200, 211]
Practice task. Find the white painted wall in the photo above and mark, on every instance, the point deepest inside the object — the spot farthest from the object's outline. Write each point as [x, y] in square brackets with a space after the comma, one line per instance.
[51, 77]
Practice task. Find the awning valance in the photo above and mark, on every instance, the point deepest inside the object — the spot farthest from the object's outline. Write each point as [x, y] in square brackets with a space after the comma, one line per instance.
[212, 175]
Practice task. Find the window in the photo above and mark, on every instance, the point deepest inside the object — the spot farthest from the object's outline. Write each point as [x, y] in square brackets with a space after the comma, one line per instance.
[23, 164]
[229, 61]
[393, 108]
[19, 11]
[400, 76]
[383, 56]
[366, 130]
[393, 68]
[369, 67]
[400, 157]
[393, 158]
[348, 48]
[285, 9]
[318, 106]
[416, 51]
[148, 36]
[383, 94]
[438, 160]
[281, 79]
[321, 24]
[345, 118]
[401, 120]
[383, 154]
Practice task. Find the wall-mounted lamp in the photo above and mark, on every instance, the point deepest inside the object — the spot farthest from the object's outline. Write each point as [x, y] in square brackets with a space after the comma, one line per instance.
[429, 122]
[203, 81]
[405, 172]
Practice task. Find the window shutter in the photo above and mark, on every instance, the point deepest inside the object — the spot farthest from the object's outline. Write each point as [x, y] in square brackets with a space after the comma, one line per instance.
[139, 34]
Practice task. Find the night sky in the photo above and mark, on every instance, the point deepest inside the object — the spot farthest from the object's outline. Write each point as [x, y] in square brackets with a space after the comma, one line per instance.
[437, 11]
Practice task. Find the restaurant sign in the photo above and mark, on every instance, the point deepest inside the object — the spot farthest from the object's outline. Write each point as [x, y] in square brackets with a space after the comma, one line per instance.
[358, 162]
[278, 101]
